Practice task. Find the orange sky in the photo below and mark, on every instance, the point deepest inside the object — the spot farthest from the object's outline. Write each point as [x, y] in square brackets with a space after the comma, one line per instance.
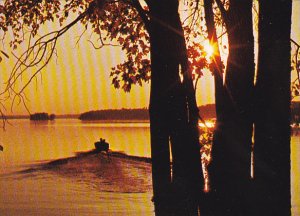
[78, 80]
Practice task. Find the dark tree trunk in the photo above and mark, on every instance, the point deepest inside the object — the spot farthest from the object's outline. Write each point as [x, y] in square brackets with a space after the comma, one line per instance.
[231, 152]
[272, 122]
[172, 109]
[208, 208]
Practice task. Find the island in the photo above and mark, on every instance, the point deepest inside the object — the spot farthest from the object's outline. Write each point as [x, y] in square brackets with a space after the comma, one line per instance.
[42, 117]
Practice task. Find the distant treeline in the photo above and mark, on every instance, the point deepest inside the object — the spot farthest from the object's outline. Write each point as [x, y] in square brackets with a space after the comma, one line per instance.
[41, 116]
[116, 114]
[207, 111]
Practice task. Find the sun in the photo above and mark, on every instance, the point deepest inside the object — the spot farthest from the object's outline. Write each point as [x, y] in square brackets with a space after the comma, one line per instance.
[209, 49]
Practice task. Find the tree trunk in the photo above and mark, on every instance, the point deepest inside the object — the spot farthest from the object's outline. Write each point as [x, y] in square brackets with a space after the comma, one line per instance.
[217, 64]
[170, 112]
[231, 152]
[272, 122]
[209, 207]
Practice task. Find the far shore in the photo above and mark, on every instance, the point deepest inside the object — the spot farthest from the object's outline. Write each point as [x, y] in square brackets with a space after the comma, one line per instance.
[63, 116]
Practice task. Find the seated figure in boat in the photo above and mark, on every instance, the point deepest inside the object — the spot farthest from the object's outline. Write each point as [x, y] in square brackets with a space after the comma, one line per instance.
[102, 145]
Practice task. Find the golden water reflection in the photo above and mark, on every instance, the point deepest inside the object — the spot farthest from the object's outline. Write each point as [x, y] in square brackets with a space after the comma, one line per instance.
[27, 142]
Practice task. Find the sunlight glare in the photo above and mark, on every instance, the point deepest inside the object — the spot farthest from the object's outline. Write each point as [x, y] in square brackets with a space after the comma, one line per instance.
[209, 49]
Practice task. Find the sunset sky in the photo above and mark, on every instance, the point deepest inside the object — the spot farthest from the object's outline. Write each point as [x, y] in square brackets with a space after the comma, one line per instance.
[78, 79]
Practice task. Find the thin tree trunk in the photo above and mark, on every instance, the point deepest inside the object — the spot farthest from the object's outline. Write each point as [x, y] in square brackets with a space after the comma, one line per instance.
[217, 64]
[209, 208]
[272, 122]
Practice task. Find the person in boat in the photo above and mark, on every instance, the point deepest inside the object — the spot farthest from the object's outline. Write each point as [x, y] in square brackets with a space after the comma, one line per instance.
[101, 146]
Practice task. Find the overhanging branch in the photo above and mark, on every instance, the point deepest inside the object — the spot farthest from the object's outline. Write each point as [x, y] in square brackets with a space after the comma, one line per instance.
[37, 55]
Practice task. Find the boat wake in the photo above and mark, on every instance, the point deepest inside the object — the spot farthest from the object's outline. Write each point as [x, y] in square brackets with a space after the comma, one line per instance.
[116, 172]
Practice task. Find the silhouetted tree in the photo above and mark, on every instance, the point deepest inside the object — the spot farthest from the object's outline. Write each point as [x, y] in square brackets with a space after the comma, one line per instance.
[230, 166]
[173, 114]
[272, 119]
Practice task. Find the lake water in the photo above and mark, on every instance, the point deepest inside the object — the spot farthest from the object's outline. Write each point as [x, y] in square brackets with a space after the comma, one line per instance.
[29, 142]
[89, 185]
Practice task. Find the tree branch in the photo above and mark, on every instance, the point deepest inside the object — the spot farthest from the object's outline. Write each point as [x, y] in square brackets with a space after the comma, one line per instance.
[224, 12]
[40, 52]
[137, 5]
[295, 85]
